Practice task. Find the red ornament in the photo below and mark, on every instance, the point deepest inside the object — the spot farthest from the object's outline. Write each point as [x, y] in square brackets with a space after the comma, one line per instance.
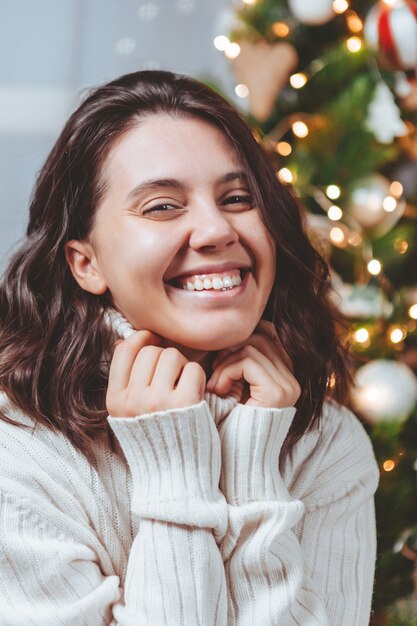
[392, 30]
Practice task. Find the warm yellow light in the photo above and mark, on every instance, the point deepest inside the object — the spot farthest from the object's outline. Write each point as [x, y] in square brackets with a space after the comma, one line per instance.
[300, 129]
[286, 175]
[374, 267]
[280, 29]
[397, 335]
[333, 192]
[340, 6]
[354, 22]
[221, 42]
[396, 189]
[390, 3]
[249, 1]
[284, 148]
[298, 80]
[232, 50]
[362, 335]
[337, 235]
[354, 239]
[401, 246]
[412, 311]
[334, 213]
[388, 465]
[241, 90]
[354, 44]
[389, 204]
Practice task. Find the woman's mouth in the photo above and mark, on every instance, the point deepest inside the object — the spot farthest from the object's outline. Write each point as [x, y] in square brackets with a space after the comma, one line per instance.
[219, 281]
[213, 284]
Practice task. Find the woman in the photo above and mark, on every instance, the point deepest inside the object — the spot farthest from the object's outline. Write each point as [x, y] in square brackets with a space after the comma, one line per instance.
[168, 456]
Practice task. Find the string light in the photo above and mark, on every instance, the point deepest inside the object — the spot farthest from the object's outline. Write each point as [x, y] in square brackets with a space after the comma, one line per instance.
[333, 192]
[401, 246]
[286, 175]
[337, 235]
[389, 204]
[232, 50]
[300, 129]
[412, 311]
[354, 239]
[388, 465]
[298, 80]
[361, 335]
[396, 189]
[374, 267]
[284, 148]
[340, 6]
[241, 90]
[334, 213]
[221, 42]
[354, 22]
[280, 29]
[397, 335]
[354, 44]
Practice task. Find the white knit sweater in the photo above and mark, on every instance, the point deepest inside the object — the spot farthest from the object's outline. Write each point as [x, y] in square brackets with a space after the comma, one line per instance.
[189, 523]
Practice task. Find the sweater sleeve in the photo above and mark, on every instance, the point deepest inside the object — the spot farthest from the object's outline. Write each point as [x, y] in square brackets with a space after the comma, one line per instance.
[54, 573]
[303, 559]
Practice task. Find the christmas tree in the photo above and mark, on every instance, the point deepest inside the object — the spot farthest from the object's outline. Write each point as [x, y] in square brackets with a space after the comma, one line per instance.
[330, 88]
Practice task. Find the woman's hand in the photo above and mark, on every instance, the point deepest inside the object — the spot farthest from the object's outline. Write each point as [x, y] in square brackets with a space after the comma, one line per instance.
[263, 364]
[145, 377]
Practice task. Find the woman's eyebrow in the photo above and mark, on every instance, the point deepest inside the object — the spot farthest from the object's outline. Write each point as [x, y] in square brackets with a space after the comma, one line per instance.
[174, 183]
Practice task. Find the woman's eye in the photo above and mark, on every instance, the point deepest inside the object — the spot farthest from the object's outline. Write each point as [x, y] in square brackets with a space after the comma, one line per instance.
[161, 210]
[239, 200]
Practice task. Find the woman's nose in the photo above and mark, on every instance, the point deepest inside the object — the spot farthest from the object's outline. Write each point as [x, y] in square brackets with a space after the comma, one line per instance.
[212, 229]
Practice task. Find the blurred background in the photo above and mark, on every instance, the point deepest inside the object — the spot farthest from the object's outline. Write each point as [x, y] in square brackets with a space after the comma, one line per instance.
[51, 51]
[330, 88]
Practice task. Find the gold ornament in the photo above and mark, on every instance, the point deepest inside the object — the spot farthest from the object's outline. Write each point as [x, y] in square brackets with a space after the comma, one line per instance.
[265, 69]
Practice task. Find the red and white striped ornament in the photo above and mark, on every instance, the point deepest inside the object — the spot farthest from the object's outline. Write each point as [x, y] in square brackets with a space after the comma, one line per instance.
[391, 28]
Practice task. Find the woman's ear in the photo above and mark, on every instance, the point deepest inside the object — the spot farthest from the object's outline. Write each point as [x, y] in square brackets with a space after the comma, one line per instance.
[83, 264]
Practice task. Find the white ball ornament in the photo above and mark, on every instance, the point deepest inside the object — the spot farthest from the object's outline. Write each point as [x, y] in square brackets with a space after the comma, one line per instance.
[312, 12]
[385, 391]
[372, 206]
[392, 31]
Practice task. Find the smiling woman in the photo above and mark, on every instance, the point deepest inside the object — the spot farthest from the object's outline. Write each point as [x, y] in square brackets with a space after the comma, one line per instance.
[170, 451]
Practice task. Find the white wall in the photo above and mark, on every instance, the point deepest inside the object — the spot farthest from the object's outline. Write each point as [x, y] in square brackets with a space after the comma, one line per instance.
[50, 50]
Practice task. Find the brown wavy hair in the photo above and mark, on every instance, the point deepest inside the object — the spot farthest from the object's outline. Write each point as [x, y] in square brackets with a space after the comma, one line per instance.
[52, 333]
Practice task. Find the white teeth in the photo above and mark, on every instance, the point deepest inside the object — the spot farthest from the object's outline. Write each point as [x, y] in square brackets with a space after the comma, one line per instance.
[217, 282]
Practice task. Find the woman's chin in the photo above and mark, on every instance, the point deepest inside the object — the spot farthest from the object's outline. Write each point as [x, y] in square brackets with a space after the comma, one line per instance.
[215, 343]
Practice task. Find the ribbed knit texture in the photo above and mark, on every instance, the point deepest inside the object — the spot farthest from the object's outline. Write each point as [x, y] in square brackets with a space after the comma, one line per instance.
[189, 523]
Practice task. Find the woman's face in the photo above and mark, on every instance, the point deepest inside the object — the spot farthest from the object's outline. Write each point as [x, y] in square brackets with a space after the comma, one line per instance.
[176, 232]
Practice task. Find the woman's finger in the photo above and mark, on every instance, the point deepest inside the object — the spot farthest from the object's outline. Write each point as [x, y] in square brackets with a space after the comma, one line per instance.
[168, 369]
[191, 379]
[247, 369]
[247, 352]
[144, 366]
[124, 357]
